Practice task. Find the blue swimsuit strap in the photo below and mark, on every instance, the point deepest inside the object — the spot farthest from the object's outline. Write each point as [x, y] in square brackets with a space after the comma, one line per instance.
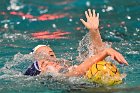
[36, 66]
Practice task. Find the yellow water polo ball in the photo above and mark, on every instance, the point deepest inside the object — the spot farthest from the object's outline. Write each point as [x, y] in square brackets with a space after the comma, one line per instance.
[104, 73]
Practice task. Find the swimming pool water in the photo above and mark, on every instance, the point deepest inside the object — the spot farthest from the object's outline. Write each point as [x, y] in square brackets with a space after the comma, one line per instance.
[20, 19]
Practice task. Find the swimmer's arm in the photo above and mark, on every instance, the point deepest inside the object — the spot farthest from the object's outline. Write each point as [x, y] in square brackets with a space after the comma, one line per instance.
[83, 67]
[92, 25]
[96, 39]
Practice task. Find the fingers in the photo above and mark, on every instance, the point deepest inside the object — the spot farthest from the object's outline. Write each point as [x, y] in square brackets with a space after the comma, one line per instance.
[117, 56]
[121, 59]
[97, 15]
[83, 22]
[94, 15]
[87, 16]
[118, 59]
[126, 62]
[90, 14]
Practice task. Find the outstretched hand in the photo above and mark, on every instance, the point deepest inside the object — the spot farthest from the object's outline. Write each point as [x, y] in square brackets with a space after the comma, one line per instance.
[116, 56]
[92, 20]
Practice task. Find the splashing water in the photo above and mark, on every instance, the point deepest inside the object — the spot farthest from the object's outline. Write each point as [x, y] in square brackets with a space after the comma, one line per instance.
[86, 48]
[13, 72]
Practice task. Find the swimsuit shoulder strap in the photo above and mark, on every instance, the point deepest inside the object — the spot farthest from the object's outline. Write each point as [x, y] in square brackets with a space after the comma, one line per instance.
[36, 66]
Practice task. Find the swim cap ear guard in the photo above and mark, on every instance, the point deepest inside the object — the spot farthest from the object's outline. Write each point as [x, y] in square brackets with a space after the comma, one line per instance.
[34, 49]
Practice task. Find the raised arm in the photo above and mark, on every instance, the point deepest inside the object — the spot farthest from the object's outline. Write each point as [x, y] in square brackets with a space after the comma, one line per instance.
[92, 25]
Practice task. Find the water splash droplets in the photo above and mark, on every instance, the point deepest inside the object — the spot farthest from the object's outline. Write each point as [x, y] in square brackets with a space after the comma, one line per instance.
[54, 25]
[128, 17]
[88, 3]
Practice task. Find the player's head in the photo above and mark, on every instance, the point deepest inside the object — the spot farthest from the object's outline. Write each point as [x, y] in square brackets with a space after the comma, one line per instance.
[43, 52]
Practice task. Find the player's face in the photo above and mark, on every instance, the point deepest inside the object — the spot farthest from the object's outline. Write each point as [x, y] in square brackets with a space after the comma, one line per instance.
[47, 52]
[50, 52]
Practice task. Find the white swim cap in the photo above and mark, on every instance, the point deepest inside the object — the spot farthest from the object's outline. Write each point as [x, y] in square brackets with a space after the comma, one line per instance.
[34, 49]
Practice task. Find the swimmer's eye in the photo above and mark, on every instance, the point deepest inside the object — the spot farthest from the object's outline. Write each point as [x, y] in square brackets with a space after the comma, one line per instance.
[51, 55]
